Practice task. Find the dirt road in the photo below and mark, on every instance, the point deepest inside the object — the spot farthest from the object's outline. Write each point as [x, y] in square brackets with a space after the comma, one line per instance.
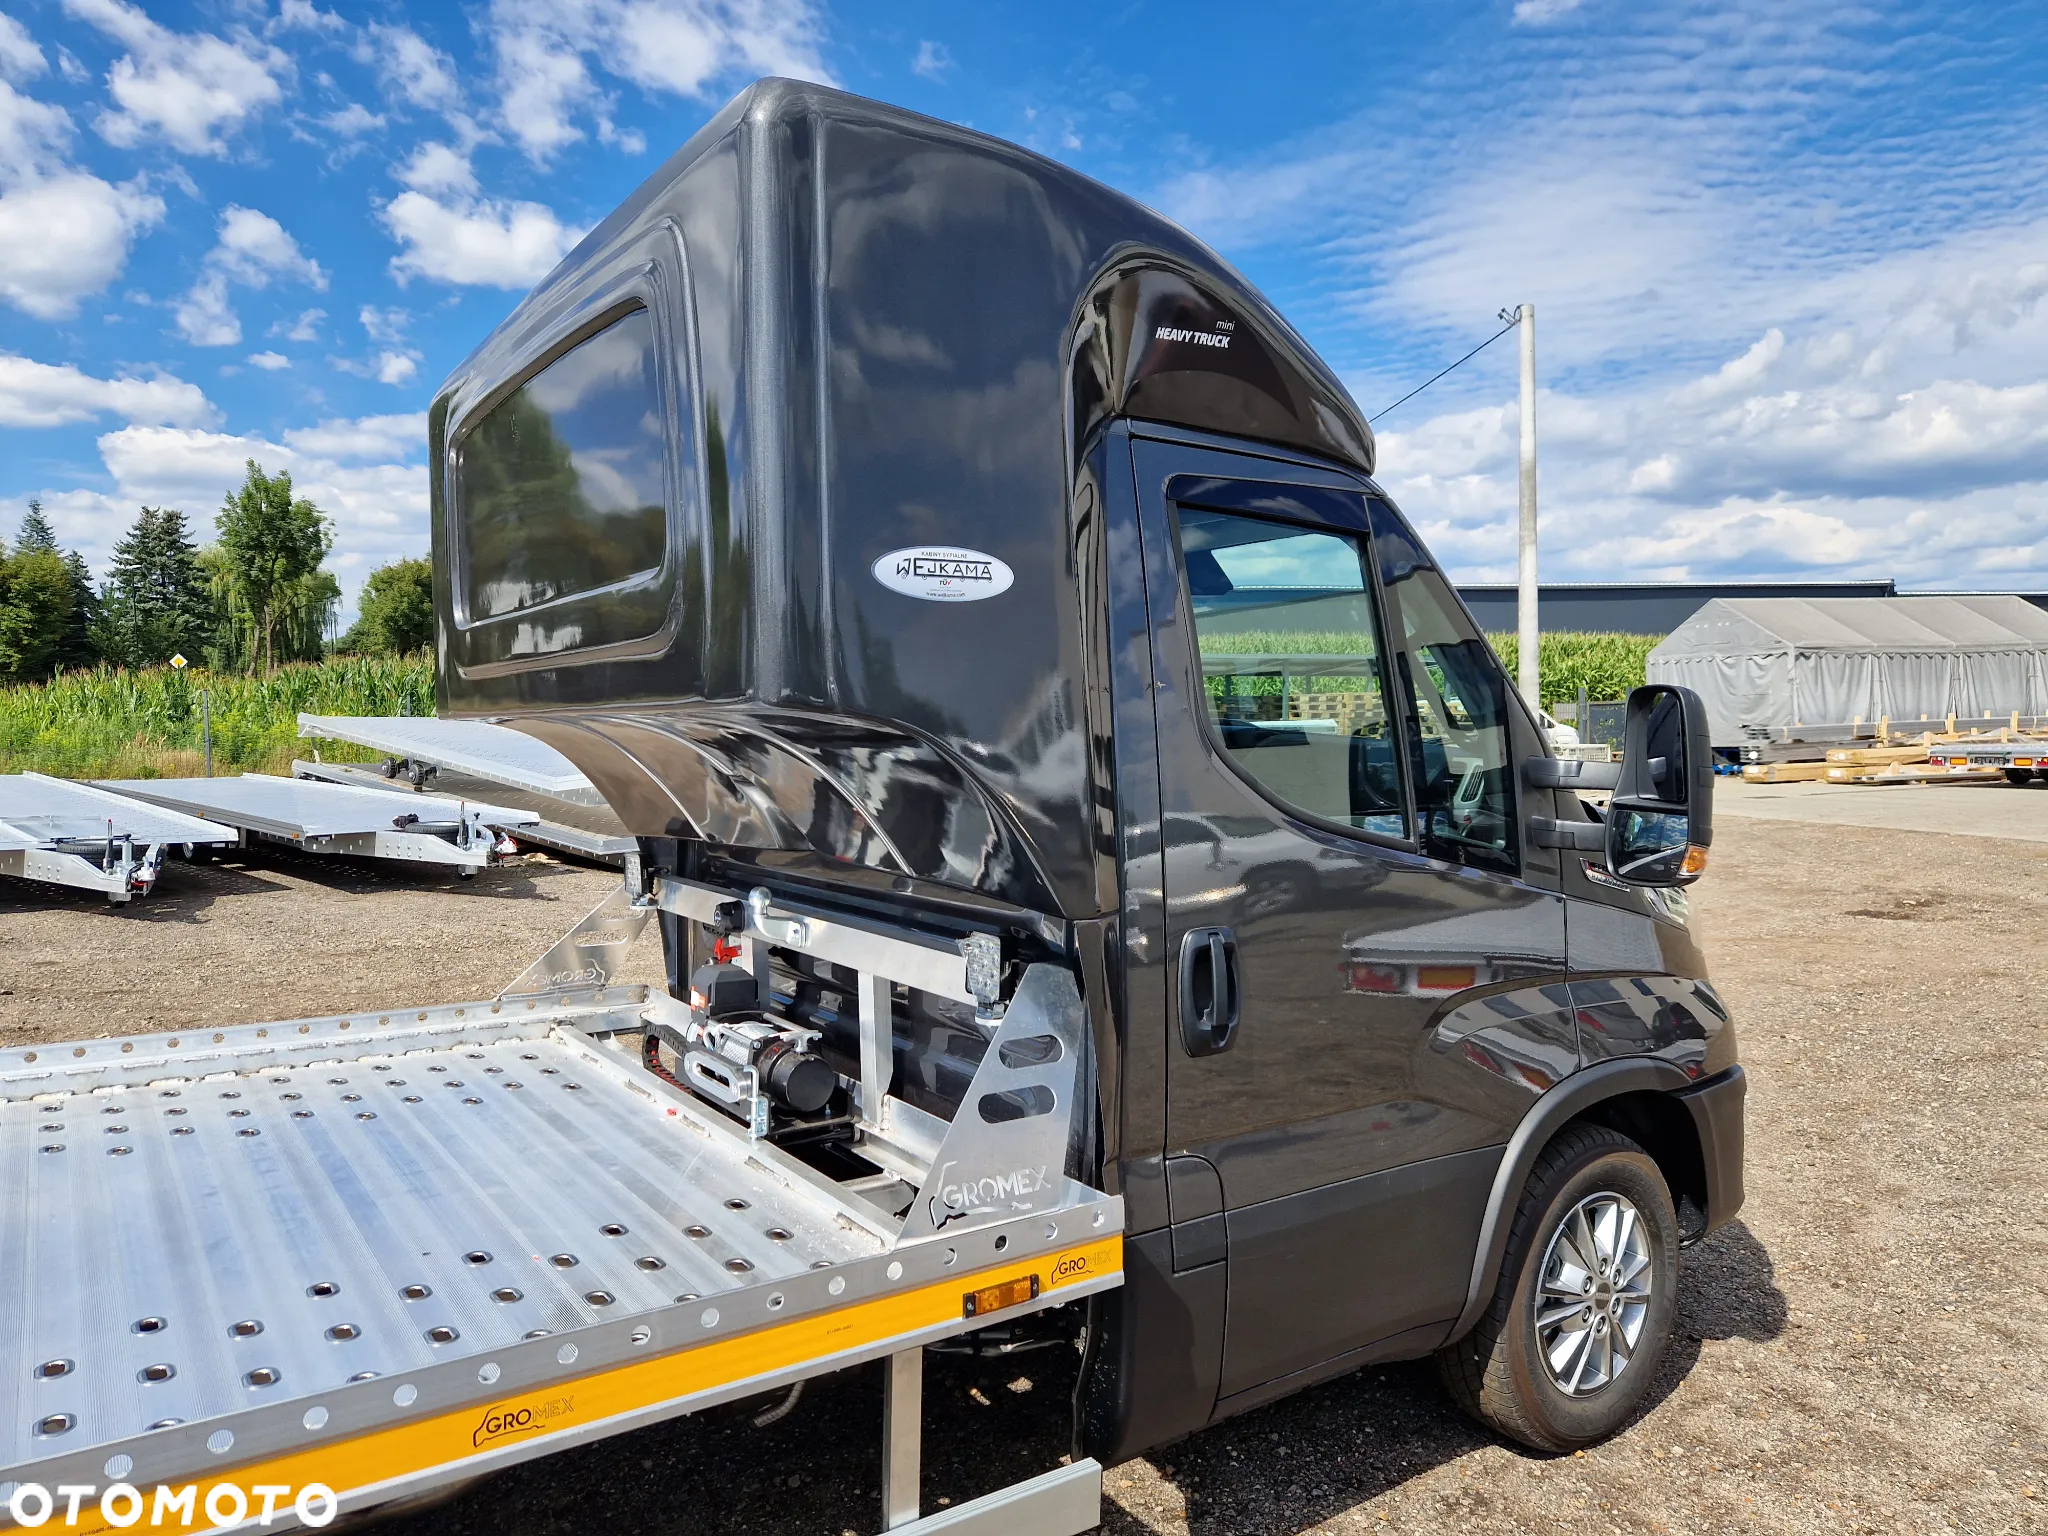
[1863, 1351]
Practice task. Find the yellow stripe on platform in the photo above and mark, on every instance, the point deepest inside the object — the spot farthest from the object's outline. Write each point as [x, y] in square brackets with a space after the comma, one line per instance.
[537, 1415]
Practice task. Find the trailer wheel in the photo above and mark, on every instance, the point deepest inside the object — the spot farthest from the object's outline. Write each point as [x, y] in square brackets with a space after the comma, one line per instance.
[2019, 775]
[1583, 1308]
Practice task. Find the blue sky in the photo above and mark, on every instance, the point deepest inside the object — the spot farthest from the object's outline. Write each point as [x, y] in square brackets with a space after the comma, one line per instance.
[1789, 259]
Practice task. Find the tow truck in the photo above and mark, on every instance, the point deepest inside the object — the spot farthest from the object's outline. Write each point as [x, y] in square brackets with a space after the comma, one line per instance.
[904, 535]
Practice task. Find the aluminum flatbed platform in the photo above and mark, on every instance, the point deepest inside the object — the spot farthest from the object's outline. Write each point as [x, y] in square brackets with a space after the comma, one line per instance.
[65, 833]
[338, 818]
[346, 1259]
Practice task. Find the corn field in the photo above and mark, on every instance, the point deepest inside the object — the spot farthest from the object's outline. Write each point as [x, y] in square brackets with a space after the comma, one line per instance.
[117, 724]
[111, 723]
[1607, 666]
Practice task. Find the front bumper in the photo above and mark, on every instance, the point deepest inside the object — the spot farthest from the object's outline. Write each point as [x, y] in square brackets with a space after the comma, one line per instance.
[1716, 1107]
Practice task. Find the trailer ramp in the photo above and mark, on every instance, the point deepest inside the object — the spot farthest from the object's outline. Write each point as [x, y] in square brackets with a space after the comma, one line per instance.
[354, 1258]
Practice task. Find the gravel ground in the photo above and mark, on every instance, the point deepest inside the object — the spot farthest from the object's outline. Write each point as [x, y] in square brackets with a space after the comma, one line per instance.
[1862, 1351]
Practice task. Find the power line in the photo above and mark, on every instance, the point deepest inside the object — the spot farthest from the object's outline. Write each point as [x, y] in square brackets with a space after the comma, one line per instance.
[1418, 389]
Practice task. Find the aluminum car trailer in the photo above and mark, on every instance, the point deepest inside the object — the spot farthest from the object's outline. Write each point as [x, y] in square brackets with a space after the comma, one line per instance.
[474, 758]
[65, 833]
[592, 834]
[345, 1259]
[415, 746]
[2022, 761]
[341, 819]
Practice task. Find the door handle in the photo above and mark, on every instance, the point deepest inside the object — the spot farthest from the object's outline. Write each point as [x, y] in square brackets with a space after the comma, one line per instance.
[1211, 994]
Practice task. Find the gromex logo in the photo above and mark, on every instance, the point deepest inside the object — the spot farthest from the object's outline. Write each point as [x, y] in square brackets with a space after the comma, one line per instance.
[505, 1421]
[1070, 1266]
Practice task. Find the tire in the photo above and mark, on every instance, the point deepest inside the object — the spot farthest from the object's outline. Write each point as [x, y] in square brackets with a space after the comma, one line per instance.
[2019, 775]
[1499, 1372]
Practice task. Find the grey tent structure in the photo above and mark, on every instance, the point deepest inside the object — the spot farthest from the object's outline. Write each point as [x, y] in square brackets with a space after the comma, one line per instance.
[1765, 664]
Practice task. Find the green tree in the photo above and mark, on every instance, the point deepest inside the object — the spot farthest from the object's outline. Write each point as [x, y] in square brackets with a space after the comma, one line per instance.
[35, 604]
[36, 532]
[397, 610]
[157, 605]
[274, 544]
[76, 646]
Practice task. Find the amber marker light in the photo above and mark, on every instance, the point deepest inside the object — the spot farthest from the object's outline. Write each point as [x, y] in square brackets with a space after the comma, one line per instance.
[1695, 860]
[1004, 1293]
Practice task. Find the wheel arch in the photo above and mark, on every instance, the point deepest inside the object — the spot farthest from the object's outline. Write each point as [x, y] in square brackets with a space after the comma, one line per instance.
[1629, 1094]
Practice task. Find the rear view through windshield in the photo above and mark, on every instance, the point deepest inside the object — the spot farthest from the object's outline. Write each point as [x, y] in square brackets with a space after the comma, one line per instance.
[560, 486]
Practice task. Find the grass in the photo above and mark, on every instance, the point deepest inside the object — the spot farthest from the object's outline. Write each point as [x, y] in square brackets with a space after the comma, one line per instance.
[1606, 665]
[112, 723]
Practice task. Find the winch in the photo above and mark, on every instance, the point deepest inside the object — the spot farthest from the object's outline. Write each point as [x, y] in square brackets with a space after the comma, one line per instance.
[730, 1052]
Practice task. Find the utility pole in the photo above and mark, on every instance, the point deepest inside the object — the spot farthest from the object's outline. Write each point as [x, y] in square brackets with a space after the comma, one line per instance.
[1529, 675]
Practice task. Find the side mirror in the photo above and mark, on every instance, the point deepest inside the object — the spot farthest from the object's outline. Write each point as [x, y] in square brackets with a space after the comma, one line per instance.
[1660, 822]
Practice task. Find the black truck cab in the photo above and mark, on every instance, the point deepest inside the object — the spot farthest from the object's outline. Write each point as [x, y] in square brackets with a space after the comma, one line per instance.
[885, 516]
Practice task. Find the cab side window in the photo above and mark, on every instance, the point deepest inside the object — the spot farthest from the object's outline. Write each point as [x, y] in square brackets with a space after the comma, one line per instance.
[1294, 679]
[1454, 691]
[561, 485]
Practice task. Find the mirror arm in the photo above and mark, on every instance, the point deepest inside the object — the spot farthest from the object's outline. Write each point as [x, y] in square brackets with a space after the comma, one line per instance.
[1556, 773]
[1578, 836]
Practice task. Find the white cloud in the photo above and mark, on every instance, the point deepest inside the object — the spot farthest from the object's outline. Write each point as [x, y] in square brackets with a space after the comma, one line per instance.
[20, 58]
[352, 120]
[1832, 447]
[305, 16]
[416, 71]
[679, 47]
[368, 475]
[65, 235]
[386, 325]
[1765, 347]
[204, 315]
[34, 394]
[365, 437]
[397, 367]
[934, 60]
[436, 168]
[475, 241]
[1533, 13]
[192, 89]
[251, 249]
[305, 328]
[269, 362]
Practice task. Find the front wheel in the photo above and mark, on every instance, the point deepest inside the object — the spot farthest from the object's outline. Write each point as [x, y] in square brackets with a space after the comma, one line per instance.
[1583, 1309]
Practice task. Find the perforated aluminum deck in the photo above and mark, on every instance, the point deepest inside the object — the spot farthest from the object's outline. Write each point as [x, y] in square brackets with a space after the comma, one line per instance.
[303, 808]
[477, 747]
[193, 1249]
[37, 811]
